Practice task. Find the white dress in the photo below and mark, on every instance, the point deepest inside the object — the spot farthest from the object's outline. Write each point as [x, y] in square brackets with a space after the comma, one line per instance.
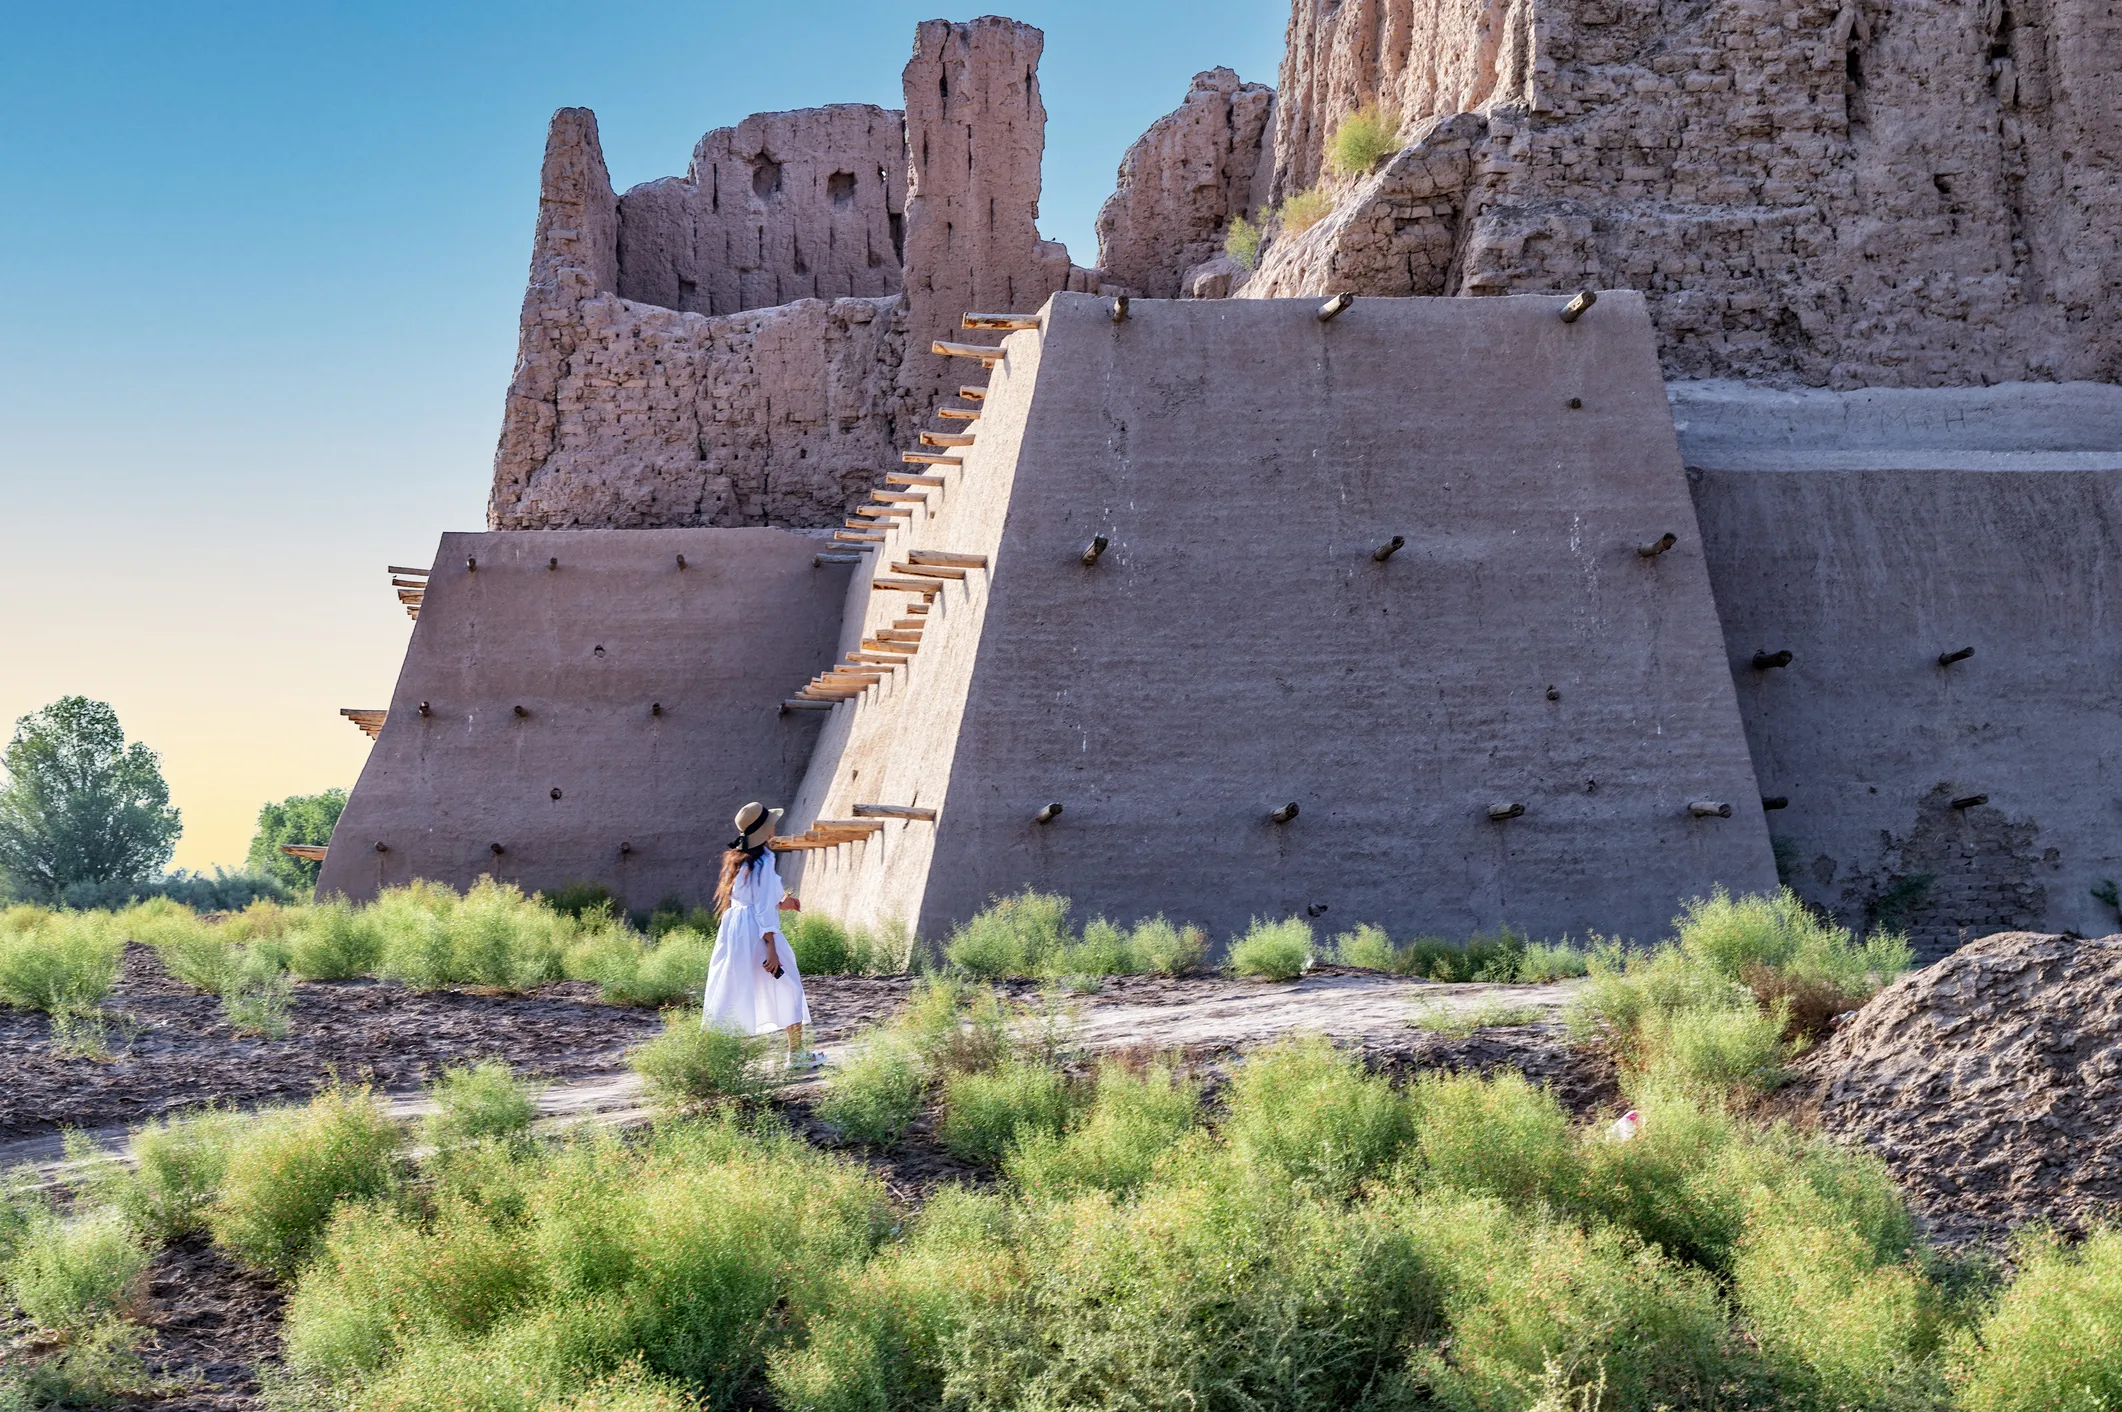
[741, 995]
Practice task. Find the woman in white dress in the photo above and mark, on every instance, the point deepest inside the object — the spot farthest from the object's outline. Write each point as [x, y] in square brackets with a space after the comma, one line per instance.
[753, 986]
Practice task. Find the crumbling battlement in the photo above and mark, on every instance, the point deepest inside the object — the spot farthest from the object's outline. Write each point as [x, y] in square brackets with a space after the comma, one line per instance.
[1808, 191]
[732, 347]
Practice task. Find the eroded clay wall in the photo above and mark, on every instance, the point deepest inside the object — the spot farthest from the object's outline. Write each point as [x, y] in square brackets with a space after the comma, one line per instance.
[1238, 648]
[1808, 191]
[808, 204]
[580, 708]
[1867, 534]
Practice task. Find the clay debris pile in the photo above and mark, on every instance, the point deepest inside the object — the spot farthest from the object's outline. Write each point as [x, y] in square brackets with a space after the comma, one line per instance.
[1991, 1083]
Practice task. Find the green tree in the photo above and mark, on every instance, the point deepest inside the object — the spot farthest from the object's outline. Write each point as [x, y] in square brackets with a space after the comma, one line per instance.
[80, 805]
[299, 818]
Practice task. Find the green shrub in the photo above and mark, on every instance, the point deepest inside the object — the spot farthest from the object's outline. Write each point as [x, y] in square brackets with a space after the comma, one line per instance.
[877, 1344]
[258, 997]
[1302, 210]
[1103, 950]
[1133, 1120]
[1304, 1112]
[199, 953]
[1241, 241]
[875, 1095]
[1015, 936]
[177, 1166]
[583, 901]
[1502, 1136]
[1361, 139]
[691, 1062]
[96, 1367]
[1728, 935]
[1490, 958]
[1826, 1312]
[1523, 1292]
[957, 1028]
[679, 1259]
[333, 942]
[1550, 961]
[1459, 1021]
[287, 1170]
[65, 964]
[1276, 951]
[1716, 1051]
[491, 936]
[673, 970]
[474, 1101]
[672, 913]
[68, 1275]
[1367, 946]
[985, 1112]
[820, 944]
[1216, 1293]
[1167, 949]
[2053, 1341]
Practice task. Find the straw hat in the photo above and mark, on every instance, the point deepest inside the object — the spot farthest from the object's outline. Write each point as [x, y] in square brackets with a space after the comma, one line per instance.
[755, 825]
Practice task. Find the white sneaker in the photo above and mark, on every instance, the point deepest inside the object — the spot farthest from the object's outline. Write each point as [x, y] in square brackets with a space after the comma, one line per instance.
[803, 1063]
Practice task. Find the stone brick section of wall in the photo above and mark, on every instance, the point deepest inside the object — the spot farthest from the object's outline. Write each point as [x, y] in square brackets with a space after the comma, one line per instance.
[1867, 534]
[1237, 647]
[807, 204]
[647, 695]
[976, 131]
[1807, 191]
[1183, 180]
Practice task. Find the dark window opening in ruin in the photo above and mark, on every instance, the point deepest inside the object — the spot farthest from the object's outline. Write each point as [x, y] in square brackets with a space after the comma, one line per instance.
[840, 188]
[688, 294]
[1944, 182]
[897, 223]
[1853, 67]
[943, 86]
[2000, 42]
[766, 178]
[802, 265]
[990, 213]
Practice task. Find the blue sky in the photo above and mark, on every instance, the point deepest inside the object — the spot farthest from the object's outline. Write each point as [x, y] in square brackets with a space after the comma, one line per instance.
[264, 264]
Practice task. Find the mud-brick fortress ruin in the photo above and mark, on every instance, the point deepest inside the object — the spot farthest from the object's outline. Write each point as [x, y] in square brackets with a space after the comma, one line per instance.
[1393, 579]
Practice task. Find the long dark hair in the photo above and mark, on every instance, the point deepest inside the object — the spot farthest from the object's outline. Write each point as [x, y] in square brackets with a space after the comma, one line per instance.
[733, 861]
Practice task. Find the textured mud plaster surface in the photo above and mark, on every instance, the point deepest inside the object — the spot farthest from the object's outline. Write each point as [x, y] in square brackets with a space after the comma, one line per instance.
[1867, 534]
[1991, 1083]
[1807, 191]
[1238, 648]
[589, 781]
[1181, 183]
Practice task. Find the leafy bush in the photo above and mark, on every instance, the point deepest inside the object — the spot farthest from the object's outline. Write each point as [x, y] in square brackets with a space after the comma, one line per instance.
[333, 942]
[177, 1166]
[958, 1029]
[2053, 1341]
[985, 1112]
[1729, 935]
[68, 1275]
[474, 1101]
[1276, 951]
[1491, 958]
[1460, 1021]
[676, 1263]
[821, 945]
[1304, 1112]
[1167, 949]
[1500, 1136]
[672, 913]
[673, 970]
[1133, 1120]
[65, 964]
[1716, 1050]
[224, 891]
[1550, 961]
[583, 901]
[493, 936]
[1302, 210]
[287, 1170]
[1014, 936]
[1839, 1323]
[1241, 241]
[1522, 1293]
[1362, 138]
[692, 1062]
[258, 998]
[1367, 946]
[1221, 1292]
[876, 1094]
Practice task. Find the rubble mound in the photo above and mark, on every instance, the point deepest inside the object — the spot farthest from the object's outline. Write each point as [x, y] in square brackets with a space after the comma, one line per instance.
[1991, 1083]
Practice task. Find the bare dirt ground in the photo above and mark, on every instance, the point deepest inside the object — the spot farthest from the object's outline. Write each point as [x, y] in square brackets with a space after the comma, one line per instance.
[213, 1324]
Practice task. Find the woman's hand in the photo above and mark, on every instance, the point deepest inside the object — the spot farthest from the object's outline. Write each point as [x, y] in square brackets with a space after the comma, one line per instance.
[772, 963]
[789, 903]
